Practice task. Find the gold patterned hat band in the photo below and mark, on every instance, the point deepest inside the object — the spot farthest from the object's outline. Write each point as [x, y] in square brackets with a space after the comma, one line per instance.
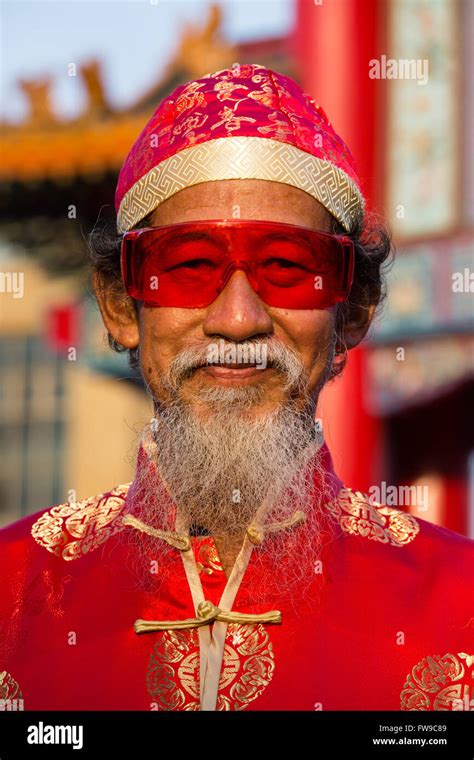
[243, 158]
[247, 122]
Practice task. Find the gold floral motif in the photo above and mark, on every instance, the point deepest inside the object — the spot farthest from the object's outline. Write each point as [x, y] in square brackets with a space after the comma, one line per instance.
[208, 559]
[174, 648]
[247, 668]
[37, 595]
[9, 688]
[440, 683]
[188, 126]
[71, 530]
[190, 98]
[357, 516]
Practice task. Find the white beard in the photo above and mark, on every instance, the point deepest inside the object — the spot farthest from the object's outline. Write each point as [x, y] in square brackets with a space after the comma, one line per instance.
[223, 467]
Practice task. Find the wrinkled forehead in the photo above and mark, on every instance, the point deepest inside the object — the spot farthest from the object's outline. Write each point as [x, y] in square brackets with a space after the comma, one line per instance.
[243, 199]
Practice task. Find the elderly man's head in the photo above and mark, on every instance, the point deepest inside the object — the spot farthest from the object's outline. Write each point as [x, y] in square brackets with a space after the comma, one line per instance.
[234, 443]
[238, 314]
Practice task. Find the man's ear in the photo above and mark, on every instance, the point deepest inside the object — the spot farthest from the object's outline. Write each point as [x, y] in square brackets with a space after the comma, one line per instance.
[118, 312]
[357, 325]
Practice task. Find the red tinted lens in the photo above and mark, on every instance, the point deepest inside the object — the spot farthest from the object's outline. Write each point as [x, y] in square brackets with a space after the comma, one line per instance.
[306, 270]
[180, 267]
[188, 265]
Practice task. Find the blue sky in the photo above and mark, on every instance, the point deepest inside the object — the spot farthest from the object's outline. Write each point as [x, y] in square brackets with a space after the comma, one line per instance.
[134, 39]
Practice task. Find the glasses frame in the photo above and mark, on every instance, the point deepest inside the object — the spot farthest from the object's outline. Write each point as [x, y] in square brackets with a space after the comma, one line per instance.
[131, 238]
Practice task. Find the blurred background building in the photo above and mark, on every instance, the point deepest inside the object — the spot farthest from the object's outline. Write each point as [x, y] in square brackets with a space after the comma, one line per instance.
[71, 409]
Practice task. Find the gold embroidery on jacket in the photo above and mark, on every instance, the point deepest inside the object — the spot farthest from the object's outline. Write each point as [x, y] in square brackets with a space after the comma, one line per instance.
[172, 679]
[9, 690]
[71, 530]
[208, 559]
[38, 595]
[440, 683]
[359, 517]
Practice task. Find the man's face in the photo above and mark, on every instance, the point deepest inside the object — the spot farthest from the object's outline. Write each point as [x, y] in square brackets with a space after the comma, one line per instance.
[237, 314]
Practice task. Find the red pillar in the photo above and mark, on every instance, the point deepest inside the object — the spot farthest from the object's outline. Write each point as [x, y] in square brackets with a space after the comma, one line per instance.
[334, 43]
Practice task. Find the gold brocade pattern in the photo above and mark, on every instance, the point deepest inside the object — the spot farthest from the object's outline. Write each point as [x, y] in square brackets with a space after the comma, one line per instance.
[9, 688]
[172, 678]
[207, 559]
[71, 530]
[30, 596]
[190, 98]
[241, 157]
[440, 683]
[357, 516]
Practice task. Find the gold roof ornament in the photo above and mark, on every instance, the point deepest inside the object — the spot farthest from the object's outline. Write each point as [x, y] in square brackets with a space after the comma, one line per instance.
[46, 146]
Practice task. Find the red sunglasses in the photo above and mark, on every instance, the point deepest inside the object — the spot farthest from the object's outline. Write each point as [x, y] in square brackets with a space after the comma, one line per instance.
[189, 264]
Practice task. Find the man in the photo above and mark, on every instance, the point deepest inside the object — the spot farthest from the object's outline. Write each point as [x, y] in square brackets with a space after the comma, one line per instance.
[236, 571]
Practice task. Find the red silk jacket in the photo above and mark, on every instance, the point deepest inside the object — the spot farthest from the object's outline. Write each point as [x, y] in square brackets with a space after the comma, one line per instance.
[393, 629]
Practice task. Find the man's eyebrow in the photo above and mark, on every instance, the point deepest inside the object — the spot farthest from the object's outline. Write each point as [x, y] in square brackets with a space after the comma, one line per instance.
[283, 237]
[185, 235]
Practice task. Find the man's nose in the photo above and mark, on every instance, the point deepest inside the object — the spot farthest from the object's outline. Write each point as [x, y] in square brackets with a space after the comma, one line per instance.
[237, 313]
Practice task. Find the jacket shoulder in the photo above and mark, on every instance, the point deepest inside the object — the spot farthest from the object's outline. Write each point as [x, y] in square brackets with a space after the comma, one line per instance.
[359, 515]
[70, 530]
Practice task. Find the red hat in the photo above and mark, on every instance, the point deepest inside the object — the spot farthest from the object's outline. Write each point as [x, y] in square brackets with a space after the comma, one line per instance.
[246, 122]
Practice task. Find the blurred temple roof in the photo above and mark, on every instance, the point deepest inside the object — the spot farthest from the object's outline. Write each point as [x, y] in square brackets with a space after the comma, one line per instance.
[45, 147]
